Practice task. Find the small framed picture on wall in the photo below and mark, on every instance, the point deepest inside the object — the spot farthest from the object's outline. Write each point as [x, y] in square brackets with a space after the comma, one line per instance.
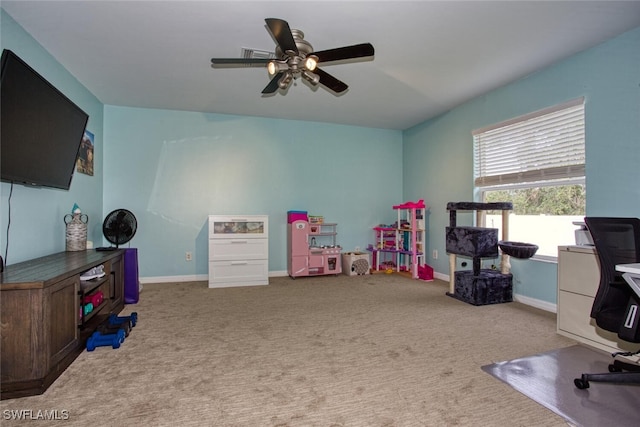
[84, 164]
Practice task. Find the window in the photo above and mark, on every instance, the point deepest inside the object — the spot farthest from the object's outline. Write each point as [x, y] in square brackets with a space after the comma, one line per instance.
[537, 162]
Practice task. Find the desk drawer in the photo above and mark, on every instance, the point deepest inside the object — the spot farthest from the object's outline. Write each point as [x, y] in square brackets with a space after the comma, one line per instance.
[574, 321]
[578, 272]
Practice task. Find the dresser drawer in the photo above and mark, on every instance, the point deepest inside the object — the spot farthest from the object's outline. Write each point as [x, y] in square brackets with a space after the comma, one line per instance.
[238, 273]
[238, 249]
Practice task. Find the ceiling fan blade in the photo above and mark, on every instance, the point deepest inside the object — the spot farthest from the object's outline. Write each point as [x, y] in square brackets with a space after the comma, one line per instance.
[331, 82]
[281, 31]
[347, 52]
[273, 84]
[239, 62]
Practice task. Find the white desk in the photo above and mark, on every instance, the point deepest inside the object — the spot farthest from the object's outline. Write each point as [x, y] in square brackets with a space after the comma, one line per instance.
[631, 273]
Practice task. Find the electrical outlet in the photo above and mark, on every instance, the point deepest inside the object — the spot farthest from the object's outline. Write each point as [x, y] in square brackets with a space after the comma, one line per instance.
[357, 248]
[188, 256]
[434, 255]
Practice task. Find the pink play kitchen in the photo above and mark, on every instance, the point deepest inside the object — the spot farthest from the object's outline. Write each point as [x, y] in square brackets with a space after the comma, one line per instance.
[311, 246]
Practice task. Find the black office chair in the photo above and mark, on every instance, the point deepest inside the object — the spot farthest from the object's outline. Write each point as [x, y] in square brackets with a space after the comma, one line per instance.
[615, 307]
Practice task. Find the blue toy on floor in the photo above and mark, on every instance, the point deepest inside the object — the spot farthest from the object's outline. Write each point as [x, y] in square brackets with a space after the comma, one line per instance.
[112, 332]
[108, 328]
[115, 320]
[98, 339]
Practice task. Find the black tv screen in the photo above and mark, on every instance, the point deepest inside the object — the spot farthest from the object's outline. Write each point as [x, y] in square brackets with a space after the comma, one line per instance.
[41, 129]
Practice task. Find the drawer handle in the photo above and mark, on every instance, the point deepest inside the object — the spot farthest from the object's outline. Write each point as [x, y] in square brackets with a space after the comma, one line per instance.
[239, 262]
[239, 241]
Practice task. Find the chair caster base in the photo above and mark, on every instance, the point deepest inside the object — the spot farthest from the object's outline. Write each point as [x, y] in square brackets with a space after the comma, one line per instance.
[581, 383]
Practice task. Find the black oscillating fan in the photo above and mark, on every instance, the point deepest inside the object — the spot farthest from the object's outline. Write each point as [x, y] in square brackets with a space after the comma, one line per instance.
[118, 228]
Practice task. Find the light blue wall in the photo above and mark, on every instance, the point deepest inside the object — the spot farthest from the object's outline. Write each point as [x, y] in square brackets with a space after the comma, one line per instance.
[37, 226]
[173, 168]
[438, 154]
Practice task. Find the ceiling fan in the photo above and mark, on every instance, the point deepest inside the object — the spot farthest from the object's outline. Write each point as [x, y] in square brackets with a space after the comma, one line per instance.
[295, 57]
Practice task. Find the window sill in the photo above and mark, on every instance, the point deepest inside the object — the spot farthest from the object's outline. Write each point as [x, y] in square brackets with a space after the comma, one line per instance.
[545, 258]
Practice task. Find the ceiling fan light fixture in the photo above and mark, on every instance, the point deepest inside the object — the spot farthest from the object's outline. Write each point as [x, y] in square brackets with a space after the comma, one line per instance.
[311, 62]
[314, 79]
[275, 67]
[285, 80]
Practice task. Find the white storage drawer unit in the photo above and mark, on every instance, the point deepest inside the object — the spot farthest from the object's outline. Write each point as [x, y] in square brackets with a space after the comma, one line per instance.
[238, 250]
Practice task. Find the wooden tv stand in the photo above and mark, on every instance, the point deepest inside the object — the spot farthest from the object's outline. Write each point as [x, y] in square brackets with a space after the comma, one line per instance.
[42, 330]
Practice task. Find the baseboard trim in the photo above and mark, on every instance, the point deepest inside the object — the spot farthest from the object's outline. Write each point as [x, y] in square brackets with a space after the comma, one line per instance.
[533, 302]
[193, 278]
[281, 273]
[441, 276]
[168, 279]
[537, 303]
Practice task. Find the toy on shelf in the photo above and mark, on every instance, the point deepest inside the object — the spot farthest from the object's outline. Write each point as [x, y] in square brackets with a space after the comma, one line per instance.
[85, 309]
[95, 299]
[316, 219]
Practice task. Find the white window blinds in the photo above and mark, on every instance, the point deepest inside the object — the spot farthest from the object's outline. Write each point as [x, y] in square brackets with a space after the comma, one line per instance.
[541, 146]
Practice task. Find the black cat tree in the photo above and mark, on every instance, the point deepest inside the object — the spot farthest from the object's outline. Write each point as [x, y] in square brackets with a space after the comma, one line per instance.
[482, 286]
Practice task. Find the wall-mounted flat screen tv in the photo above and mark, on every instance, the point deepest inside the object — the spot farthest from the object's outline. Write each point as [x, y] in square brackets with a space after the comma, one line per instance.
[40, 128]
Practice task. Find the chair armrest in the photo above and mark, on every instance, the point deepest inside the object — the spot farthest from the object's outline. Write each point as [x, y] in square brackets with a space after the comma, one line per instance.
[633, 280]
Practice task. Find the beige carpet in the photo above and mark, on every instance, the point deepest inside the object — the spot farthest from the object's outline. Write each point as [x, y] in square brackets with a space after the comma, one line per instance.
[380, 350]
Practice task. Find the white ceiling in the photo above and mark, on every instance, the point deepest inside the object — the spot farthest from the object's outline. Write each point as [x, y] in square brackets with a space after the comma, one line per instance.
[430, 55]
